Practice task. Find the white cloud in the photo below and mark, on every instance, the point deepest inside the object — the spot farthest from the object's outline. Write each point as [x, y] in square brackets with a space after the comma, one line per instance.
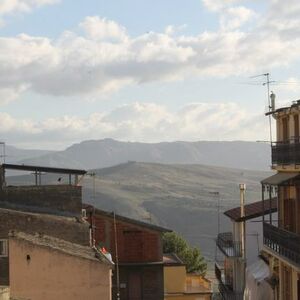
[106, 58]
[217, 5]
[147, 122]
[8, 94]
[22, 6]
[234, 17]
[103, 29]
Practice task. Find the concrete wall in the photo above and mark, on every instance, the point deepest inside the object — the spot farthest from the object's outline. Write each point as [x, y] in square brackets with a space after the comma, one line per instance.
[50, 274]
[64, 228]
[55, 199]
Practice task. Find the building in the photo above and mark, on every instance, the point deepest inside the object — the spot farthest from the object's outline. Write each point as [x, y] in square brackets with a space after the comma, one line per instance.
[237, 249]
[43, 267]
[282, 235]
[182, 286]
[52, 210]
[137, 252]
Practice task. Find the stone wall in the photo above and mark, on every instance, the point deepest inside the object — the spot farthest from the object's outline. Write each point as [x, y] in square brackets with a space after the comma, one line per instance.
[61, 227]
[54, 199]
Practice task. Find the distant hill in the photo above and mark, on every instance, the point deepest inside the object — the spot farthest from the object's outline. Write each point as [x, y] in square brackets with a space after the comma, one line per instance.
[108, 152]
[179, 197]
[14, 154]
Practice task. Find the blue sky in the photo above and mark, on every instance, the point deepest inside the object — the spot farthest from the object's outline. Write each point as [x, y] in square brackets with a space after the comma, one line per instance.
[143, 70]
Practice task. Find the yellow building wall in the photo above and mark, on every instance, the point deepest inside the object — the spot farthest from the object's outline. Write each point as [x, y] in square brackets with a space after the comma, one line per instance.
[182, 286]
[174, 279]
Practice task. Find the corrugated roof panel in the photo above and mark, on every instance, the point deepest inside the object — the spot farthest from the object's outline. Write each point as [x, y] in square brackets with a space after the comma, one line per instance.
[252, 210]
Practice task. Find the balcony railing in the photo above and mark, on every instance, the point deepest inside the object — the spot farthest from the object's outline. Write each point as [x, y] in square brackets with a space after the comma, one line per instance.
[286, 153]
[228, 246]
[228, 294]
[283, 242]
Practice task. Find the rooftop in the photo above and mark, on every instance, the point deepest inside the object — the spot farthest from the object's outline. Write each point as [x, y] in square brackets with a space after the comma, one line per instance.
[171, 259]
[43, 169]
[253, 210]
[61, 246]
[126, 219]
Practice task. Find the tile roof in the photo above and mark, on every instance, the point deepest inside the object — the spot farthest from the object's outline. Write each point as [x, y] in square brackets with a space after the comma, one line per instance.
[171, 259]
[280, 178]
[61, 246]
[252, 210]
[126, 219]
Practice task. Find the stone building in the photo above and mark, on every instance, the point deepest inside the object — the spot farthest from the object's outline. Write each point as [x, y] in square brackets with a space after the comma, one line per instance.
[137, 251]
[43, 267]
[282, 234]
[53, 210]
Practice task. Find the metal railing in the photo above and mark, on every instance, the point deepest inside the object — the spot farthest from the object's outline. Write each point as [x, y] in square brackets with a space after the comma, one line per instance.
[228, 246]
[283, 242]
[285, 153]
[228, 294]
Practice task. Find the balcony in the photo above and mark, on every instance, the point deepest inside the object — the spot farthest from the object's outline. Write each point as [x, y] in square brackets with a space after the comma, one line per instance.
[283, 242]
[228, 294]
[226, 285]
[228, 246]
[286, 153]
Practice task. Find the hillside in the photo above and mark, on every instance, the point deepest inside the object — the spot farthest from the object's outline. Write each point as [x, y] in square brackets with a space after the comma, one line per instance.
[179, 197]
[14, 154]
[108, 152]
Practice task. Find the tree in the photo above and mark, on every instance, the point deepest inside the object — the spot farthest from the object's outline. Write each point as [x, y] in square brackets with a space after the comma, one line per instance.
[191, 256]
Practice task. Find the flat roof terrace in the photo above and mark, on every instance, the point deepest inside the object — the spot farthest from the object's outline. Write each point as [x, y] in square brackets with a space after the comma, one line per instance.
[63, 197]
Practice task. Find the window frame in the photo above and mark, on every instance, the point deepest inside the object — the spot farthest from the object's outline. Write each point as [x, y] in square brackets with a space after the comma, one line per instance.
[5, 248]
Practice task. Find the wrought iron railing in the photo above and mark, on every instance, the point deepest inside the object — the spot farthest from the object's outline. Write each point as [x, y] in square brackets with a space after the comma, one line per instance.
[228, 246]
[283, 242]
[285, 153]
[228, 294]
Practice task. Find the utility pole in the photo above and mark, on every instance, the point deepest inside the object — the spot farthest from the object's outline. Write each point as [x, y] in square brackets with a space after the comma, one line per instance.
[243, 235]
[3, 154]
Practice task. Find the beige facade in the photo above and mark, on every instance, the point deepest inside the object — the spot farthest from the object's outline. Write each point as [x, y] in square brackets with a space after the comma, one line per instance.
[282, 236]
[44, 268]
[182, 286]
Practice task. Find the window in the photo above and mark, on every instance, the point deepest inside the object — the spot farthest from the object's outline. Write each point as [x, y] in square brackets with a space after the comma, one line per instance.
[3, 248]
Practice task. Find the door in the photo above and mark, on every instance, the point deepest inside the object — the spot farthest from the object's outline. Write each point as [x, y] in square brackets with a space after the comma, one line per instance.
[296, 125]
[289, 214]
[285, 130]
[135, 286]
[298, 211]
[287, 291]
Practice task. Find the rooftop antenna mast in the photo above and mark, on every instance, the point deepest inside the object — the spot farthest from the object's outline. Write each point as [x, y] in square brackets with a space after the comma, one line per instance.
[267, 83]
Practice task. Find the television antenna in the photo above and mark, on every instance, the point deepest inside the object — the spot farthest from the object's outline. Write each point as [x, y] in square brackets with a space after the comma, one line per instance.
[267, 83]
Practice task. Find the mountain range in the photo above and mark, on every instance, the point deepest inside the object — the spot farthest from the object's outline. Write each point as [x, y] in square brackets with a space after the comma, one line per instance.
[108, 152]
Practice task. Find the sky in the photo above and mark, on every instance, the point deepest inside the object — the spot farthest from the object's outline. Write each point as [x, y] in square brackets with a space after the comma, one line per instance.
[139, 70]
